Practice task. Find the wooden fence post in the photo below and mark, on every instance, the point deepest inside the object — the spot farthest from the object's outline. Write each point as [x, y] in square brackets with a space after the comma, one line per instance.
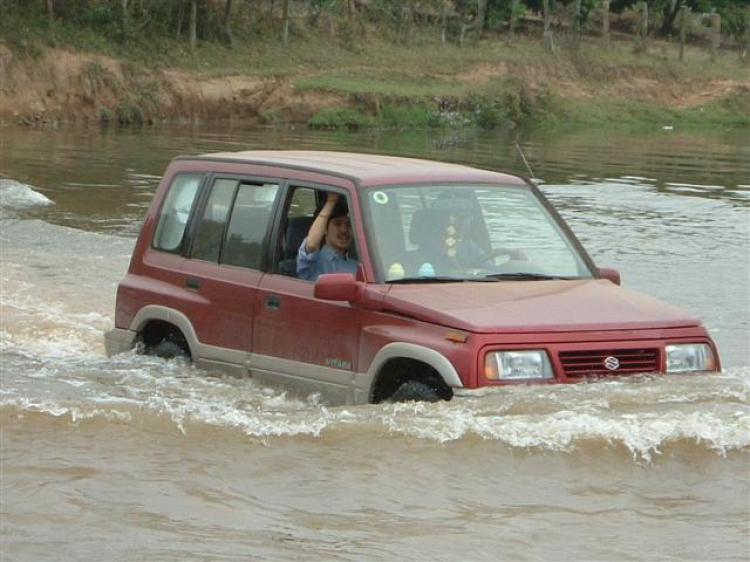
[605, 22]
[641, 37]
[514, 9]
[352, 15]
[444, 23]
[715, 35]
[549, 42]
[683, 30]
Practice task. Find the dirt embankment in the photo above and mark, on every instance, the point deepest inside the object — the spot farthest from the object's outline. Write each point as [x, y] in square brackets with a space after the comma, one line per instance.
[66, 87]
[572, 79]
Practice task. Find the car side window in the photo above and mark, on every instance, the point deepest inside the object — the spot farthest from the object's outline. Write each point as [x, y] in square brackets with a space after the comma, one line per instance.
[248, 225]
[304, 204]
[210, 230]
[170, 229]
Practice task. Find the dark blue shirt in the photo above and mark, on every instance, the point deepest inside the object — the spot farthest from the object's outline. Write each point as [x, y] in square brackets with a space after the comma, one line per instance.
[310, 265]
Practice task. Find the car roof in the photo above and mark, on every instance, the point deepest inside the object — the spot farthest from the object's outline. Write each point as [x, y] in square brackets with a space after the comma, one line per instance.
[368, 169]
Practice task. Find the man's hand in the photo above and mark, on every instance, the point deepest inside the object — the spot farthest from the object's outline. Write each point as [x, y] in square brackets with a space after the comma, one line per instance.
[318, 227]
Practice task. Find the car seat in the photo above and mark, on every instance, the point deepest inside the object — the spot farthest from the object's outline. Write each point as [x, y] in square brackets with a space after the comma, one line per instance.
[296, 231]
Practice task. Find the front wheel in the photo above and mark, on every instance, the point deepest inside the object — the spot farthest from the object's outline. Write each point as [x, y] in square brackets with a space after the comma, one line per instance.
[415, 391]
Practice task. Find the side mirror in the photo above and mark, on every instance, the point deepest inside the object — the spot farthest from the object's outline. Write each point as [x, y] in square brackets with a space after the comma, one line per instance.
[610, 275]
[337, 287]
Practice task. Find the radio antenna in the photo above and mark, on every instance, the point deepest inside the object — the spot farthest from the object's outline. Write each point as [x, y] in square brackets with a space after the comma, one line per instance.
[518, 146]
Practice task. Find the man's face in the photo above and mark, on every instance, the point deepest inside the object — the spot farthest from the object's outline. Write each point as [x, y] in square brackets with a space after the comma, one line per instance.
[339, 234]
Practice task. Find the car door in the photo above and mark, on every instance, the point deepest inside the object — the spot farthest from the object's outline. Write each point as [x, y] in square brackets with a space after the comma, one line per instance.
[309, 344]
[226, 261]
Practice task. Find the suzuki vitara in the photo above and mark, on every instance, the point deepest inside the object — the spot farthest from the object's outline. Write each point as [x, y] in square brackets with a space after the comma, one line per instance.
[462, 279]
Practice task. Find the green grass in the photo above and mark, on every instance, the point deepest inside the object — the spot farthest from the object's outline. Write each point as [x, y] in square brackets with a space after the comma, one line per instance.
[341, 118]
[382, 83]
[560, 114]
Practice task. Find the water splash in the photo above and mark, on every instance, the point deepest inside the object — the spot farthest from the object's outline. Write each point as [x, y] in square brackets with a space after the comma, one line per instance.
[643, 417]
[15, 194]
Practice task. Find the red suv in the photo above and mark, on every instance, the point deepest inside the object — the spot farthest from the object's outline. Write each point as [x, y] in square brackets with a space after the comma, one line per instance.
[459, 279]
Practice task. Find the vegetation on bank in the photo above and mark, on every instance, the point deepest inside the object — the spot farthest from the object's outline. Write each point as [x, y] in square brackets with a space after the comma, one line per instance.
[418, 64]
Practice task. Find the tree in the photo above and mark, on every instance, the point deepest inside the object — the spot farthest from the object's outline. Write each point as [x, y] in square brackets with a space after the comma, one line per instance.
[193, 23]
[514, 13]
[605, 21]
[227, 27]
[51, 11]
[124, 20]
[548, 40]
[670, 16]
[481, 15]
[285, 22]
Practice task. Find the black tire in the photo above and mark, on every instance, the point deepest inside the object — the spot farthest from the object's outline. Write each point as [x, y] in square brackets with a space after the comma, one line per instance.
[169, 349]
[415, 391]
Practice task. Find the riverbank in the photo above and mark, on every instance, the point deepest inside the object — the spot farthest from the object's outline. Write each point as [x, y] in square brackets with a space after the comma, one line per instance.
[419, 83]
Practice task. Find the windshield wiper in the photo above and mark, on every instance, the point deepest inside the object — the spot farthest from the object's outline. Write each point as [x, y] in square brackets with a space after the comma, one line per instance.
[525, 277]
[430, 279]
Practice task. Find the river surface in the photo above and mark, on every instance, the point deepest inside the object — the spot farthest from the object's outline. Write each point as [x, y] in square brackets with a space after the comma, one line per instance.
[136, 459]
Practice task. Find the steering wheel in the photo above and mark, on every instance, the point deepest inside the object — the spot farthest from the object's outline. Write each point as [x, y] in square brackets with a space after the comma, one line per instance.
[511, 255]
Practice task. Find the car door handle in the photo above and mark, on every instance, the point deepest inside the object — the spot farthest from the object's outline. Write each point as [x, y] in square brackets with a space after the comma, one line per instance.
[273, 302]
[192, 283]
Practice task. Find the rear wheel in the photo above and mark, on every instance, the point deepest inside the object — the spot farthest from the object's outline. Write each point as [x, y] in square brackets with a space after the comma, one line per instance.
[169, 349]
[415, 391]
[162, 339]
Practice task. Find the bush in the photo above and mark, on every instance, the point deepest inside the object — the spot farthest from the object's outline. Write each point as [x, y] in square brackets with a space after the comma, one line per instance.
[340, 118]
[408, 116]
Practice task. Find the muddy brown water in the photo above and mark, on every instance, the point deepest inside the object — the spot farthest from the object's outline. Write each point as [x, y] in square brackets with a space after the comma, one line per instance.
[132, 458]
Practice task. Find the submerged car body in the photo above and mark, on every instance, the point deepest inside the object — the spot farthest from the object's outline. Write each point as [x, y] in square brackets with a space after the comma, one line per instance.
[465, 279]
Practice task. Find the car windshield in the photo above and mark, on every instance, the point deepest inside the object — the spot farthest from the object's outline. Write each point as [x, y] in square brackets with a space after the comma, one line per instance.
[444, 233]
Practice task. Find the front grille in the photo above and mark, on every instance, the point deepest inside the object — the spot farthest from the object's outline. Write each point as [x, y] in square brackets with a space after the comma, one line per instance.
[592, 362]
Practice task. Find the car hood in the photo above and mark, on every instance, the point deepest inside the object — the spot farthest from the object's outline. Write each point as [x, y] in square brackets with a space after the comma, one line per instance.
[534, 306]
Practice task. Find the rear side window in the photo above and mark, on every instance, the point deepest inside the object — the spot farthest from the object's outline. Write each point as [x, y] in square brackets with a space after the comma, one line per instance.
[234, 222]
[170, 230]
[210, 233]
[248, 225]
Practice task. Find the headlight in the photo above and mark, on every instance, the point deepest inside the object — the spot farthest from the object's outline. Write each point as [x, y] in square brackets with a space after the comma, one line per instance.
[516, 365]
[686, 357]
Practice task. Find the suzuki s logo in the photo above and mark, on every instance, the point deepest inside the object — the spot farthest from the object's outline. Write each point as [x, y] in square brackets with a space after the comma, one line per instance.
[612, 363]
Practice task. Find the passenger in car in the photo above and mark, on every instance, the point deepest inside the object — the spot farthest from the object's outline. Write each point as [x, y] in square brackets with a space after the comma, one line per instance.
[325, 248]
[444, 234]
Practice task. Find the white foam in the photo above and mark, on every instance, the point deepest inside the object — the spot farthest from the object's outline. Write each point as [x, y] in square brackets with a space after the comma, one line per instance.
[191, 399]
[53, 409]
[15, 194]
[643, 434]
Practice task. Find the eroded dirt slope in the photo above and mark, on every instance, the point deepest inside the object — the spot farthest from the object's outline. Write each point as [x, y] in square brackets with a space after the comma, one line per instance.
[63, 86]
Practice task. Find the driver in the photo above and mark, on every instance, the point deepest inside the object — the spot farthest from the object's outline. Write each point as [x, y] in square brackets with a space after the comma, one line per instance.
[325, 248]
